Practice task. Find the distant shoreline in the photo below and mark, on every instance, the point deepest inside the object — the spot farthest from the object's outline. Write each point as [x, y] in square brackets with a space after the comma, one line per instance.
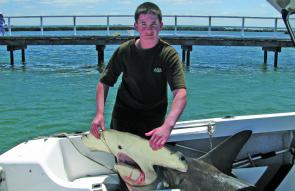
[171, 28]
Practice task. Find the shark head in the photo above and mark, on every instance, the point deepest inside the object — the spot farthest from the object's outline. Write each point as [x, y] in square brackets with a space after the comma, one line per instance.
[135, 157]
[135, 161]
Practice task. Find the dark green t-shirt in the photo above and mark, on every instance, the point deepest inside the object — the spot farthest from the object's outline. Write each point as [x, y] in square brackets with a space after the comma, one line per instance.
[146, 72]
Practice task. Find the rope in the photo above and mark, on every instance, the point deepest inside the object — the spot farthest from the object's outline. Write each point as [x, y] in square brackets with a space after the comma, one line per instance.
[211, 130]
[105, 142]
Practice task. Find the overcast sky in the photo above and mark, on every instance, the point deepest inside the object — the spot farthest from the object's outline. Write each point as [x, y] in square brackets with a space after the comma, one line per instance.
[169, 7]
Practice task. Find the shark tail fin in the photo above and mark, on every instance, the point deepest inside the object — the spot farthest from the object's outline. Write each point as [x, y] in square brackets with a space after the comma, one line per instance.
[224, 154]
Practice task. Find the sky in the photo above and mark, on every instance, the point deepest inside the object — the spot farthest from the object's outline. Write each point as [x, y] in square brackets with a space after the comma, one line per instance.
[256, 8]
[168, 7]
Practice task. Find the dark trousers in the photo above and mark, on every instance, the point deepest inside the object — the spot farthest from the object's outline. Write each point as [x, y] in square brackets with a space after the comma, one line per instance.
[137, 127]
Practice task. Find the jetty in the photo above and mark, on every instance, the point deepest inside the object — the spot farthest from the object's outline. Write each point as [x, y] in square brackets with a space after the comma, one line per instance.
[267, 43]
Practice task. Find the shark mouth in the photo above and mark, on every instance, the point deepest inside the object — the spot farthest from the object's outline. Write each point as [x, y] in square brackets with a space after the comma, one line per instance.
[125, 160]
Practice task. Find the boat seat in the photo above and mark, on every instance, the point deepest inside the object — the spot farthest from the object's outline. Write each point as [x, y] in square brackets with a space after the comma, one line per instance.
[84, 167]
[58, 164]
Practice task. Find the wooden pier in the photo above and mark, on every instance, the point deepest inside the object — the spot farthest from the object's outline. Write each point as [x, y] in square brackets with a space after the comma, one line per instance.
[186, 42]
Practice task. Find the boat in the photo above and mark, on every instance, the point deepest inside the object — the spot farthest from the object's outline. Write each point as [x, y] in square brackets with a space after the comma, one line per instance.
[62, 162]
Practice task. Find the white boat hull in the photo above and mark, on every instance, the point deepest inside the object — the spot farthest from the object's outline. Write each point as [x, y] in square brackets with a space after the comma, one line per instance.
[65, 164]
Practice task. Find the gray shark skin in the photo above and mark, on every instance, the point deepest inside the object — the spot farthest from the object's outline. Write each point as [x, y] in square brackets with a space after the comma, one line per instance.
[211, 172]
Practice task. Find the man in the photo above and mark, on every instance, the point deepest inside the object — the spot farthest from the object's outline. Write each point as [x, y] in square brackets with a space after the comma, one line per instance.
[2, 22]
[147, 64]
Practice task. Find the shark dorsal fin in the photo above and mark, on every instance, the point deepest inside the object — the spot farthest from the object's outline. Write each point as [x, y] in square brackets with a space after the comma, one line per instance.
[224, 154]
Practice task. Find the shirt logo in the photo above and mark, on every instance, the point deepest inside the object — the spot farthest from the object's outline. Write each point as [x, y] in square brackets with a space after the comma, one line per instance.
[157, 70]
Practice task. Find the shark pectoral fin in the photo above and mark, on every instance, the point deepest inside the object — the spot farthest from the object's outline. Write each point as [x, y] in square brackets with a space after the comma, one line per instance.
[129, 174]
[94, 144]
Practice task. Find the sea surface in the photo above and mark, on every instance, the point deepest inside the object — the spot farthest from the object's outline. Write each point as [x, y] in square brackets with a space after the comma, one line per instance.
[55, 90]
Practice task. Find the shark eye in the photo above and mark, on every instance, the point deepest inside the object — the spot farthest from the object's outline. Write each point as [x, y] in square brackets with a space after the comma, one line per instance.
[182, 158]
[120, 147]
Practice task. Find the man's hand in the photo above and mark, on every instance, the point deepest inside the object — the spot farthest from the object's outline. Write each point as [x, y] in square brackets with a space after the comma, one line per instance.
[159, 136]
[97, 123]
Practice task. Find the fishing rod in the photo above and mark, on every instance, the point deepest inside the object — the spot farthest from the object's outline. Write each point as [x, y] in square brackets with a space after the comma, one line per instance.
[250, 159]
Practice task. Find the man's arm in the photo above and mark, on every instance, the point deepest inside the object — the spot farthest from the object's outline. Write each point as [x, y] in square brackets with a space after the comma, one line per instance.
[160, 135]
[98, 121]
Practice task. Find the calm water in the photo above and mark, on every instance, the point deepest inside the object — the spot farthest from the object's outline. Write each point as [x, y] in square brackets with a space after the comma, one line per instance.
[55, 90]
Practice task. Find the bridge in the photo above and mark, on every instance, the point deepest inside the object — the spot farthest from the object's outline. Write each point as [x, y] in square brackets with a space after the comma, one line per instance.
[186, 41]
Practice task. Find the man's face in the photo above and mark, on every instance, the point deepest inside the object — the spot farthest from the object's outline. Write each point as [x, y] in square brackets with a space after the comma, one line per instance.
[148, 26]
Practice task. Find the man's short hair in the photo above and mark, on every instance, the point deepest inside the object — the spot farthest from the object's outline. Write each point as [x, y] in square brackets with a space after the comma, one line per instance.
[148, 8]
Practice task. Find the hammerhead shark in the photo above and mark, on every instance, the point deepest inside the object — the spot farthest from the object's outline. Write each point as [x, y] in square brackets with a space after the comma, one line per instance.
[142, 168]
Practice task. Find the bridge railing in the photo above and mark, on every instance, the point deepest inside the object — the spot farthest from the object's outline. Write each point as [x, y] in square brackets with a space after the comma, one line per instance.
[174, 23]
